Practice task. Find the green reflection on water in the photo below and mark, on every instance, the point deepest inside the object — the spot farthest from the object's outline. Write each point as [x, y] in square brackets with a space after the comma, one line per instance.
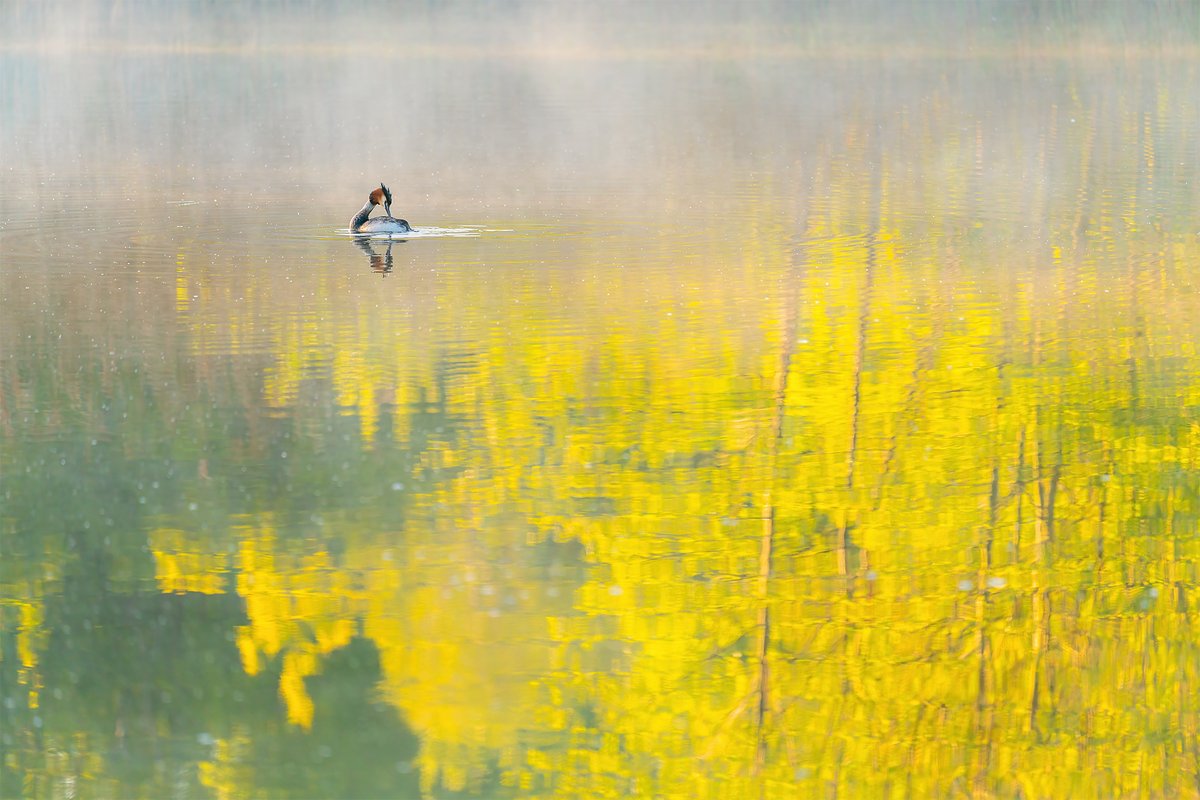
[893, 492]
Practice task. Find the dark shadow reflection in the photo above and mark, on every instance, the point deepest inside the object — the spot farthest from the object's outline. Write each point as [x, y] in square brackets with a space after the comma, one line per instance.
[381, 264]
[358, 746]
[153, 681]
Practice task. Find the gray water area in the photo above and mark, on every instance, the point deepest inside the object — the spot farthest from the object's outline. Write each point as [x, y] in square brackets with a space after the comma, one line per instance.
[773, 400]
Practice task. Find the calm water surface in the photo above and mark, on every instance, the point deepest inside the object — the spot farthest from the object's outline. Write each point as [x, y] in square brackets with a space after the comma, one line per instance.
[756, 416]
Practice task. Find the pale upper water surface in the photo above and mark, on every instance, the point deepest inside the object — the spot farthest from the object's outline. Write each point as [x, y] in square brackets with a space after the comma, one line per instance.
[777, 402]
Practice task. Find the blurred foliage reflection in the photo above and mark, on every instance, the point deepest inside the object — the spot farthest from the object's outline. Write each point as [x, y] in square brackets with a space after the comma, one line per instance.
[893, 493]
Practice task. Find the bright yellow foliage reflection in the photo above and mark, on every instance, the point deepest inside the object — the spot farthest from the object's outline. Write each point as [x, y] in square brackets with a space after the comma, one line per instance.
[864, 507]
[892, 491]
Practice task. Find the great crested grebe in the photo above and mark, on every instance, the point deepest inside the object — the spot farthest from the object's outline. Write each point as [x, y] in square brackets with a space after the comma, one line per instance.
[389, 224]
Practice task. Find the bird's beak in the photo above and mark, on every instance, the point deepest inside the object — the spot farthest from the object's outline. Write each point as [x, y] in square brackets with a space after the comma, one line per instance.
[387, 209]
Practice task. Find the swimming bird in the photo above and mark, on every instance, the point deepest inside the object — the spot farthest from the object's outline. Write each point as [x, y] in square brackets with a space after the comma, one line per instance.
[388, 224]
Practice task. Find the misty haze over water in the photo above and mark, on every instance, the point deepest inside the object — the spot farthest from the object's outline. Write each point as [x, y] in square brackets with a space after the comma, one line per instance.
[515, 103]
[774, 400]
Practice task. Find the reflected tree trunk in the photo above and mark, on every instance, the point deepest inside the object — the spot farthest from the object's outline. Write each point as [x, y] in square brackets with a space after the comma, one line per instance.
[860, 350]
[767, 541]
[983, 647]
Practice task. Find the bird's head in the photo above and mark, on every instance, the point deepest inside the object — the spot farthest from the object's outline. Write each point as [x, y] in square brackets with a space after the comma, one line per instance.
[387, 198]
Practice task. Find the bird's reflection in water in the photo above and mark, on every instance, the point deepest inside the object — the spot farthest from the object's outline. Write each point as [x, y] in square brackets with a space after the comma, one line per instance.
[379, 263]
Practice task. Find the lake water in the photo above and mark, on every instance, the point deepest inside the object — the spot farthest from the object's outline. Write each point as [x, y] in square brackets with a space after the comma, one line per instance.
[774, 401]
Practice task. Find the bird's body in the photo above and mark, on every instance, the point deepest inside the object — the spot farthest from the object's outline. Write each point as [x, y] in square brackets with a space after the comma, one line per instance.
[381, 225]
[363, 223]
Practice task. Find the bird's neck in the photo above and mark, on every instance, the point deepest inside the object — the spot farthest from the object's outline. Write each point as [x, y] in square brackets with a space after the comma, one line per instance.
[361, 216]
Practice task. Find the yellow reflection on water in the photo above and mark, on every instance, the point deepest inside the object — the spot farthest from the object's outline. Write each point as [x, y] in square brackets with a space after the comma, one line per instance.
[882, 504]
[891, 490]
